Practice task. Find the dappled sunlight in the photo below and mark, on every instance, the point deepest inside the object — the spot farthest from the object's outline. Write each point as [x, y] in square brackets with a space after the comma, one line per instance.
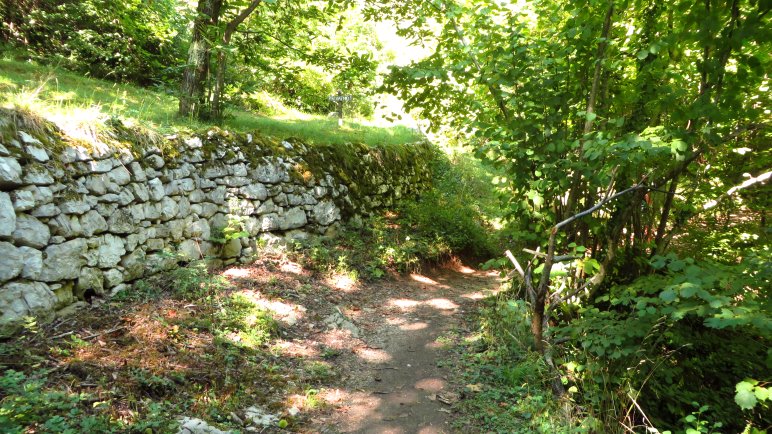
[477, 295]
[295, 349]
[404, 303]
[237, 272]
[442, 304]
[395, 321]
[288, 313]
[336, 339]
[434, 345]
[423, 279]
[342, 282]
[373, 355]
[430, 384]
[414, 326]
[291, 267]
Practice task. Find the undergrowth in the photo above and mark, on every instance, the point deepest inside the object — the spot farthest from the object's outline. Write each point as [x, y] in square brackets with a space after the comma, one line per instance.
[448, 220]
[508, 385]
[178, 343]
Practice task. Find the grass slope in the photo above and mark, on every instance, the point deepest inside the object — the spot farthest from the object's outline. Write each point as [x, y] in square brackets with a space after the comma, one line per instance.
[64, 97]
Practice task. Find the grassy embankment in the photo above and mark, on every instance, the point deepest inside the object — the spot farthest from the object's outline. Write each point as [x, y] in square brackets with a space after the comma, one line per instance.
[69, 99]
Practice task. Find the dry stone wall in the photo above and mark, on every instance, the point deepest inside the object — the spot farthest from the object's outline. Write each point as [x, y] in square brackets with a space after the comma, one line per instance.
[85, 220]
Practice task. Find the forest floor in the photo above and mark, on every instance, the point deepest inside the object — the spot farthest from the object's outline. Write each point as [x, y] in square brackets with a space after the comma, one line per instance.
[338, 356]
[400, 376]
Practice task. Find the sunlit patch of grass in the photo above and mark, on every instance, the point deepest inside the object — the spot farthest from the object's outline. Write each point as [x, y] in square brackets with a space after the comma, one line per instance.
[65, 97]
[243, 322]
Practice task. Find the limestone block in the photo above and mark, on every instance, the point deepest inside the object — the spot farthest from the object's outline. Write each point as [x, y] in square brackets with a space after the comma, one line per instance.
[23, 200]
[267, 207]
[22, 299]
[152, 210]
[168, 208]
[10, 173]
[137, 172]
[42, 195]
[184, 207]
[110, 251]
[205, 184]
[121, 222]
[125, 197]
[33, 262]
[215, 170]
[63, 261]
[30, 232]
[326, 212]
[293, 218]
[95, 184]
[204, 210]
[154, 161]
[232, 248]
[90, 278]
[268, 173]
[38, 175]
[67, 226]
[120, 175]
[113, 278]
[11, 261]
[218, 195]
[99, 166]
[155, 244]
[176, 228]
[74, 154]
[198, 229]
[74, 205]
[270, 222]
[197, 196]
[156, 188]
[133, 265]
[38, 154]
[7, 215]
[295, 200]
[189, 249]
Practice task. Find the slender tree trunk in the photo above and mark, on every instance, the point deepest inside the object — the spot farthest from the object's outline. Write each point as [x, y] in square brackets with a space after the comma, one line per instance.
[217, 109]
[658, 242]
[222, 57]
[192, 88]
[573, 194]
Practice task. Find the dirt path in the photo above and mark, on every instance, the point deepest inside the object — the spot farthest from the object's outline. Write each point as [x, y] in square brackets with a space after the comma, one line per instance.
[396, 377]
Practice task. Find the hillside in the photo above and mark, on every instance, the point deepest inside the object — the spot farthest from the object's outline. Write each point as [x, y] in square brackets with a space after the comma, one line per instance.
[75, 102]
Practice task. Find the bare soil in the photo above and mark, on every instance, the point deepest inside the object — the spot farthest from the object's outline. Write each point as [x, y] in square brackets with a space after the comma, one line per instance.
[393, 375]
[398, 377]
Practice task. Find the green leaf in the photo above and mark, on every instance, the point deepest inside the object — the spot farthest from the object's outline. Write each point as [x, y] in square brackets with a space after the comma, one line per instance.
[744, 386]
[676, 265]
[762, 393]
[745, 399]
[668, 295]
[591, 116]
[688, 289]
[643, 54]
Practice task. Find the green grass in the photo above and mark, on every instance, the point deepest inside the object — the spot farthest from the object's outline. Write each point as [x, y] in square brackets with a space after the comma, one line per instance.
[64, 97]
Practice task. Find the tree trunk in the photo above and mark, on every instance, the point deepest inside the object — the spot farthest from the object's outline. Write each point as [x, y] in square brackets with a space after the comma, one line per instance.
[222, 57]
[573, 194]
[192, 88]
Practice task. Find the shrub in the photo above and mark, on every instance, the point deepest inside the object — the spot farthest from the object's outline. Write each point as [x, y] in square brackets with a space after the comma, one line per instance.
[685, 335]
[122, 40]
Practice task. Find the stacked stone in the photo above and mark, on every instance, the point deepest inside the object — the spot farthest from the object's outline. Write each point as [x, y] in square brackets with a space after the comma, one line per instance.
[88, 222]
